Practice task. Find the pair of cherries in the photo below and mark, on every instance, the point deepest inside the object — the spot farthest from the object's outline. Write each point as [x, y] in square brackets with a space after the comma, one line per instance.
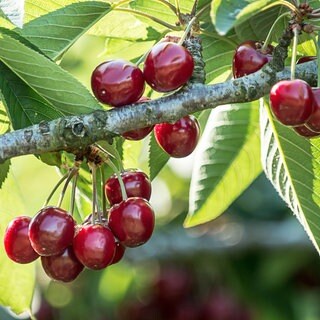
[167, 67]
[66, 248]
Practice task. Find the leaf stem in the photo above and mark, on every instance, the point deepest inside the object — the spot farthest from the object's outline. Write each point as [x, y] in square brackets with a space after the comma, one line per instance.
[146, 15]
[294, 53]
[284, 3]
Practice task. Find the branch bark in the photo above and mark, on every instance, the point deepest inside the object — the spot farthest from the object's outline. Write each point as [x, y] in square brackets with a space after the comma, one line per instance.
[74, 133]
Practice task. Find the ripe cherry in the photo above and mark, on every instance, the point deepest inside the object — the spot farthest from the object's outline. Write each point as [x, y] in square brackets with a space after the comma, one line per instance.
[248, 58]
[313, 123]
[120, 249]
[64, 267]
[51, 231]
[132, 221]
[16, 241]
[306, 59]
[117, 82]
[304, 131]
[94, 246]
[178, 139]
[291, 102]
[168, 66]
[136, 182]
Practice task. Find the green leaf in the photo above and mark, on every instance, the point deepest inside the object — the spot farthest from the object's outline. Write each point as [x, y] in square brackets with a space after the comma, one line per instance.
[54, 32]
[17, 280]
[57, 88]
[14, 11]
[132, 152]
[227, 160]
[4, 170]
[291, 162]
[227, 14]
[157, 158]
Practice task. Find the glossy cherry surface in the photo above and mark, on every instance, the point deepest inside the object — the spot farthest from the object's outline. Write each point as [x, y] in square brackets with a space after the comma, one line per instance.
[248, 58]
[313, 123]
[178, 139]
[16, 241]
[94, 246]
[64, 267]
[136, 182]
[168, 66]
[291, 102]
[51, 231]
[117, 82]
[132, 221]
[120, 250]
[304, 131]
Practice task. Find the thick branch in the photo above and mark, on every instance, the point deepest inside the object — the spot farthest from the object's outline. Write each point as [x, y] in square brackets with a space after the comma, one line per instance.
[74, 133]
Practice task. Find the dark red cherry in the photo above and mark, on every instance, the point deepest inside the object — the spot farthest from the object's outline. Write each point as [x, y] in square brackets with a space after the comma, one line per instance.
[136, 182]
[248, 58]
[117, 82]
[94, 246]
[120, 249]
[132, 221]
[313, 123]
[168, 66]
[51, 231]
[304, 131]
[178, 139]
[291, 102]
[306, 59]
[64, 267]
[16, 241]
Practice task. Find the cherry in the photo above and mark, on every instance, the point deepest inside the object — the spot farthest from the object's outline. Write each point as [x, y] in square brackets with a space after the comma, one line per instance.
[291, 102]
[94, 246]
[120, 249]
[306, 59]
[51, 231]
[16, 241]
[168, 66]
[117, 82]
[248, 58]
[178, 139]
[64, 267]
[304, 131]
[136, 182]
[313, 123]
[132, 221]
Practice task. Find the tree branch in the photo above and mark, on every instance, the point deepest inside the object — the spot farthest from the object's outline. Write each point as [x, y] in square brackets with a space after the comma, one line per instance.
[74, 133]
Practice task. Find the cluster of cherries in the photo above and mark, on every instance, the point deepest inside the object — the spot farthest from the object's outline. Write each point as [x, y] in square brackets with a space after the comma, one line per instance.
[293, 102]
[66, 248]
[167, 67]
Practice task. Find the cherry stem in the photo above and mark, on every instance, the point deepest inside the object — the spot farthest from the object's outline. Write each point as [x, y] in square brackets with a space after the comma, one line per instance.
[103, 195]
[116, 171]
[116, 156]
[72, 172]
[155, 19]
[64, 177]
[93, 168]
[268, 38]
[194, 8]
[187, 30]
[202, 10]
[73, 192]
[178, 12]
[294, 53]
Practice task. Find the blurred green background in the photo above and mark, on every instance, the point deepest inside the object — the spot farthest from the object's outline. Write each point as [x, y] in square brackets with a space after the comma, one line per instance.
[254, 262]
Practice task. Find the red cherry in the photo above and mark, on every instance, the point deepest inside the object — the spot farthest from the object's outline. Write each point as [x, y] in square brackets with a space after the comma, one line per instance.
[248, 58]
[17, 243]
[178, 139]
[313, 123]
[51, 231]
[94, 246]
[117, 82]
[64, 267]
[136, 182]
[120, 249]
[304, 131]
[291, 102]
[306, 59]
[132, 221]
[168, 66]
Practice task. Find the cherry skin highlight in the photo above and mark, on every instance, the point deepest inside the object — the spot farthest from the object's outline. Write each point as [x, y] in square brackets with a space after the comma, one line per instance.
[64, 267]
[17, 243]
[94, 246]
[168, 66]
[248, 58]
[117, 82]
[51, 231]
[132, 221]
[136, 182]
[291, 102]
[178, 139]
